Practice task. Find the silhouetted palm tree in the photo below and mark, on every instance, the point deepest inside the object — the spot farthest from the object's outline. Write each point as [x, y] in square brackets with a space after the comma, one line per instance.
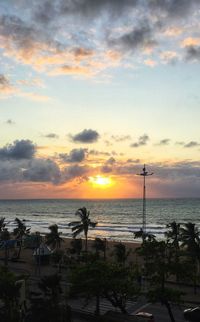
[53, 238]
[5, 237]
[121, 253]
[19, 232]
[173, 234]
[2, 224]
[83, 225]
[100, 246]
[190, 238]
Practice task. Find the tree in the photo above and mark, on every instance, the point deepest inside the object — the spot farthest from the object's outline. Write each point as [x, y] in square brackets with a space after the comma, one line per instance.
[53, 238]
[2, 224]
[49, 307]
[99, 279]
[173, 238]
[19, 232]
[9, 294]
[120, 252]
[158, 268]
[5, 237]
[190, 240]
[82, 225]
[76, 245]
[100, 246]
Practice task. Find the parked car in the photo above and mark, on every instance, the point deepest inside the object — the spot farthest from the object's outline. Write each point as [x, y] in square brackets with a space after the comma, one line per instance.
[192, 314]
[145, 317]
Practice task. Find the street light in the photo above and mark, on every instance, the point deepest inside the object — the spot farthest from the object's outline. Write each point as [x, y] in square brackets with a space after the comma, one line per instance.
[144, 174]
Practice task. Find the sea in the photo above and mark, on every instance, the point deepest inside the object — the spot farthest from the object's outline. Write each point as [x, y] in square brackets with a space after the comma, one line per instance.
[117, 219]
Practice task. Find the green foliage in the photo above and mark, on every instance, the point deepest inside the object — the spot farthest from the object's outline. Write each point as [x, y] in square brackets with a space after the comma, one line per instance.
[77, 245]
[57, 256]
[19, 232]
[53, 238]
[100, 246]
[50, 285]
[120, 253]
[9, 293]
[102, 279]
[83, 225]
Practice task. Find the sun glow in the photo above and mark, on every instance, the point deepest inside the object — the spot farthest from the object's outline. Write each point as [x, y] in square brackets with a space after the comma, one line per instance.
[100, 181]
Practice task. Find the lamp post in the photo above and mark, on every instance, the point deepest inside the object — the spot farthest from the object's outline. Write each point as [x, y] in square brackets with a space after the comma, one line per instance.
[144, 174]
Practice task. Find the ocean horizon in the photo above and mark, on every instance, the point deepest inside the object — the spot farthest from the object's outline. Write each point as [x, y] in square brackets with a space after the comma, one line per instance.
[117, 219]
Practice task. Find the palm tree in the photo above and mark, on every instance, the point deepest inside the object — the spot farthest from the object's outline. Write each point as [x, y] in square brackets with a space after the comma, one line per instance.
[2, 224]
[83, 224]
[53, 238]
[173, 234]
[5, 237]
[19, 232]
[173, 238]
[121, 253]
[190, 238]
[100, 246]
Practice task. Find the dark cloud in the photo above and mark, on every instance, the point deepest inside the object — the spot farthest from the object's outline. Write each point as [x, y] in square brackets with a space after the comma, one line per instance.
[98, 153]
[10, 122]
[42, 170]
[75, 171]
[193, 53]
[51, 136]
[86, 136]
[121, 138]
[191, 144]
[133, 161]
[5, 85]
[106, 169]
[141, 141]
[111, 161]
[75, 155]
[173, 8]
[91, 8]
[164, 142]
[24, 149]
[4, 82]
[139, 37]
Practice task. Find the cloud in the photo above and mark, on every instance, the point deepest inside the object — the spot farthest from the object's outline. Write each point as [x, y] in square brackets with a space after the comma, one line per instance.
[75, 171]
[86, 136]
[193, 53]
[137, 38]
[35, 96]
[121, 138]
[75, 155]
[51, 136]
[41, 170]
[150, 62]
[141, 141]
[169, 57]
[5, 85]
[173, 8]
[164, 142]
[111, 161]
[20, 149]
[98, 153]
[91, 9]
[10, 122]
[190, 41]
[106, 169]
[192, 144]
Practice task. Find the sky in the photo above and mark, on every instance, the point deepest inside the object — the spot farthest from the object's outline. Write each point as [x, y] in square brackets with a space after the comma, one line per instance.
[90, 90]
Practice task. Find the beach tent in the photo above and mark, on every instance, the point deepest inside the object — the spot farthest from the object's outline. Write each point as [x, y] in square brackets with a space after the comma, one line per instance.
[42, 254]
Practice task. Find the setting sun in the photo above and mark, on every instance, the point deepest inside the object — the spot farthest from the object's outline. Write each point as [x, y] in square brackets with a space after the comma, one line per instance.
[100, 181]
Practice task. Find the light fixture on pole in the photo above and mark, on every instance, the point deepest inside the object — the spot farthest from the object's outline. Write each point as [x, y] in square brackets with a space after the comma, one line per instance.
[144, 174]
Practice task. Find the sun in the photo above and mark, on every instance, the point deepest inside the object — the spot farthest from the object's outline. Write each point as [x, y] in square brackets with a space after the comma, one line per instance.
[100, 181]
